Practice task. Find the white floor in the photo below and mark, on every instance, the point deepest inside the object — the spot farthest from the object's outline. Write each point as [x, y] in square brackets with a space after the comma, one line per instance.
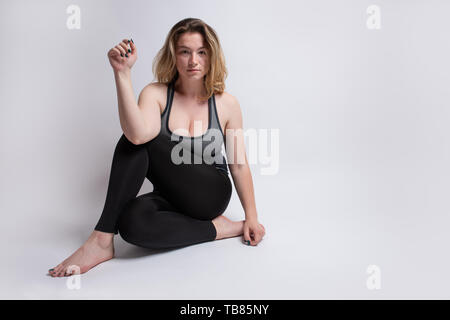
[324, 228]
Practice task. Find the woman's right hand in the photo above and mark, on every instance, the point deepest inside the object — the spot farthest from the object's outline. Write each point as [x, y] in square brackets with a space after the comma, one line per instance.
[122, 63]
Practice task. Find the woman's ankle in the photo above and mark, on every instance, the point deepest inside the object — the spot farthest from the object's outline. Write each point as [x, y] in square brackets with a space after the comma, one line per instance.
[104, 239]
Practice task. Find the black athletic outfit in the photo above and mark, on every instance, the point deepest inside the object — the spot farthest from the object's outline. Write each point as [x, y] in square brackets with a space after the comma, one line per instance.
[185, 197]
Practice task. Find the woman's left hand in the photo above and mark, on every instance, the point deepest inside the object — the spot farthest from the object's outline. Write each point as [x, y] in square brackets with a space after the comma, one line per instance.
[253, 232]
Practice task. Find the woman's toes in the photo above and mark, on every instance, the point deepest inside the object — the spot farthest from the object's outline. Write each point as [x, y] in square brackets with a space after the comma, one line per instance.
[58, 271]
[63, 271]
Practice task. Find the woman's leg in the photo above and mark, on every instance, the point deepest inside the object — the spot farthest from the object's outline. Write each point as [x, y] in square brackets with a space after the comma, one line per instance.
[154, 223]
[128, 171]
[150, 221]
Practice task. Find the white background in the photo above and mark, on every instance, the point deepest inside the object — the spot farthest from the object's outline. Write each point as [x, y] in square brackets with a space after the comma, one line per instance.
[363, 161]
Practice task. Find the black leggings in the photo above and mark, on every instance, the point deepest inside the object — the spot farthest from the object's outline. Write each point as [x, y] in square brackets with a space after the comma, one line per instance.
[179, 210]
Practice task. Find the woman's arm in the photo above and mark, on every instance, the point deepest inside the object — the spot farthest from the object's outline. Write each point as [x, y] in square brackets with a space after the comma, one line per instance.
[132, 116]
[131, 119]
[240, 171]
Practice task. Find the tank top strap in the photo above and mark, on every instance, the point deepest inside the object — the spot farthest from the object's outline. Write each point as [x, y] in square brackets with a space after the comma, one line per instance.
[165, 114]
[215, 123]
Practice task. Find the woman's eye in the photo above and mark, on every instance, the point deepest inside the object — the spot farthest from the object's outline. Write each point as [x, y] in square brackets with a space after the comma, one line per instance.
[185, 51]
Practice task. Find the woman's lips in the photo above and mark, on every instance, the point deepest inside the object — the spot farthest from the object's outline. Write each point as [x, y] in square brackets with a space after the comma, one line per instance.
[193, 70]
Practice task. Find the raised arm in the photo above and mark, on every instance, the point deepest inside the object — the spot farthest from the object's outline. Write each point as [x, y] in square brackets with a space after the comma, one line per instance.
[140, 121]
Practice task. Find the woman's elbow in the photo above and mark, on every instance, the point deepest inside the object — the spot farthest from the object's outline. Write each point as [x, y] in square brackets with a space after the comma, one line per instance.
[144, 138]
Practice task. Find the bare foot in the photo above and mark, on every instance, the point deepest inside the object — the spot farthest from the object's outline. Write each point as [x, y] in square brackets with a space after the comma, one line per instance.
[97, 249]
[225, 228]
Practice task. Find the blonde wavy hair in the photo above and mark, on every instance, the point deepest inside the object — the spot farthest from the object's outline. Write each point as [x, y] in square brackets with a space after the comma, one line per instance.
[164, 65]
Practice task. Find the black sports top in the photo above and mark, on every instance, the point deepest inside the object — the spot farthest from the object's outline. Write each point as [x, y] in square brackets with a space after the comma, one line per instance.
[211, 144]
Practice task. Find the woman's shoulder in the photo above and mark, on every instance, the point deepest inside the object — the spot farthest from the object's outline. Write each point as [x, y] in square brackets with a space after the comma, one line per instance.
[159, 91]
[157, 87]
[228, 108]
[227, 99]
[228, 103]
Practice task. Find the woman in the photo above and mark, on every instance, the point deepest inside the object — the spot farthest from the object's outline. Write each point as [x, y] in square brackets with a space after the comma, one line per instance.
[191, 186]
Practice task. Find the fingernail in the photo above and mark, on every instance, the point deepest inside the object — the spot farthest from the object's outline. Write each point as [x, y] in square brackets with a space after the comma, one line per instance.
[121, 54]
[126, 55]
[132, 40]
[128, 41]
[129, 50]
[50, 269]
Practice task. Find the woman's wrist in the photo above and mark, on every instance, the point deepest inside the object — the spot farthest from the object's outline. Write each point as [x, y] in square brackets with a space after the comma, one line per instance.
[125, 73]
[251, 216]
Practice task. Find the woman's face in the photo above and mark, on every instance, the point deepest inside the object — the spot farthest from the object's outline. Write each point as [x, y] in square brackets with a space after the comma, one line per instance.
[191, 53]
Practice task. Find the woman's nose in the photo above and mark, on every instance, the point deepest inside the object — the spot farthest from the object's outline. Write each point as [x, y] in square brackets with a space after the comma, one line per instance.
[193, 60]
